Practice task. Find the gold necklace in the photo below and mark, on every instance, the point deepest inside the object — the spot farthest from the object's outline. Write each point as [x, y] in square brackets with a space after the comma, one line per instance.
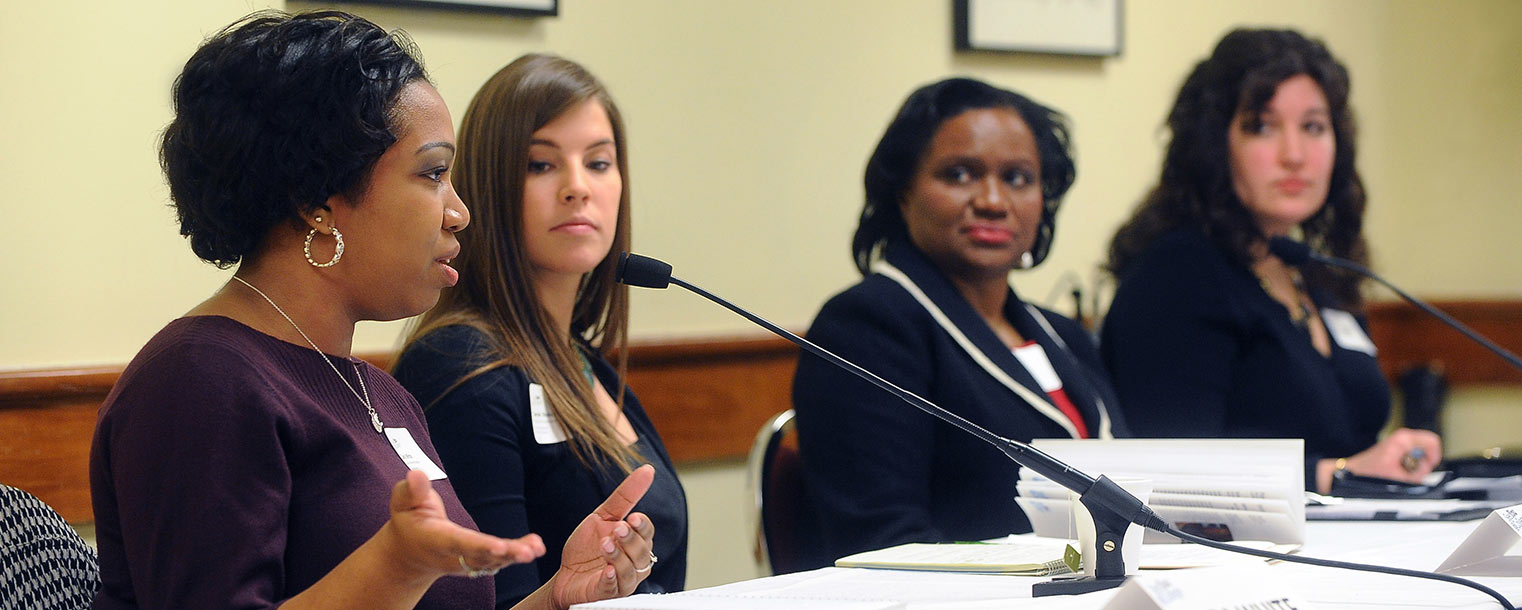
[375, 421]
[1300, 314]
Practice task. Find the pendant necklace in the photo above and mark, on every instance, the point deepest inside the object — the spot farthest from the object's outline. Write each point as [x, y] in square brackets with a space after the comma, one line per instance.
[375, 421]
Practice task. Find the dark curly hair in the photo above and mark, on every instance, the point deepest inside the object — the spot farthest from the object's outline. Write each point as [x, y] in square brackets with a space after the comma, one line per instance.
[1195, 190]
[890, 171]
[275, 114]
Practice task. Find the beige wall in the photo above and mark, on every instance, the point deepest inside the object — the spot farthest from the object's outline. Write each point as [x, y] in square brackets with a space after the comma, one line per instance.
[750, 122]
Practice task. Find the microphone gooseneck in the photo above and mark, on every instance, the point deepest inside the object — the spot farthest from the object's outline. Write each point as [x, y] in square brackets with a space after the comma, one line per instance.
[1290, 251]
[1296, 253]
[637, 270]
[1106, 501]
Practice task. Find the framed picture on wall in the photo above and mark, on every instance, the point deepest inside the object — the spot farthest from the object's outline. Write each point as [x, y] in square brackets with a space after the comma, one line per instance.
[512, 7]
[1061, 27]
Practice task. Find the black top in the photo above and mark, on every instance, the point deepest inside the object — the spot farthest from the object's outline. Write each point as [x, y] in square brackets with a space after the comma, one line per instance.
[1197, 348]
[880, 471]
[510, 482]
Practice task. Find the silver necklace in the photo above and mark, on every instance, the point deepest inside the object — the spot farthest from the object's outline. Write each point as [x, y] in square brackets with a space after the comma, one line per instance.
[365, 400]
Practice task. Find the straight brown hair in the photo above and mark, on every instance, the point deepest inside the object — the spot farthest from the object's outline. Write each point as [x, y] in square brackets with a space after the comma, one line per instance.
[495, 293]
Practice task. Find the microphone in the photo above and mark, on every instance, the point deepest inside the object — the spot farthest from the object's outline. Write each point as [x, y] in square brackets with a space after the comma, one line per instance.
[1111, 507]
[1296, 254]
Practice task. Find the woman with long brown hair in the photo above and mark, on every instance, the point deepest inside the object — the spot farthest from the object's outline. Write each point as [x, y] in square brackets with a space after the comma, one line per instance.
[530, 418]
[1209, 335]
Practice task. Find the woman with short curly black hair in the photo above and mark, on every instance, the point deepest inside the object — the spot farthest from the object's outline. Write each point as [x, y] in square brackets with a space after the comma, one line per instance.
[245, 458]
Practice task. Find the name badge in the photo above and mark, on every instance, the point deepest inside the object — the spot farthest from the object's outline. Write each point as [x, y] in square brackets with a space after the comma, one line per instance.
[1034, 359]
[1484, 552]
[547, 429]
[1344, 329]
[412, 455]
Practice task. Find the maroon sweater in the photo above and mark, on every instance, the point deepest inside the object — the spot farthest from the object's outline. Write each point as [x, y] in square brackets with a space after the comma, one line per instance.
[231, 469]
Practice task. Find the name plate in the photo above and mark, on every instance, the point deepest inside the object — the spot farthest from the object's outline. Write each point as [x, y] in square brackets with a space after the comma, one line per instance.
[1244, 587]
[1484, 552]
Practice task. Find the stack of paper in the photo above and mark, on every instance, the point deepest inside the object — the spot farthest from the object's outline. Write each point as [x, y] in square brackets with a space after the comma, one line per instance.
[1225, 489]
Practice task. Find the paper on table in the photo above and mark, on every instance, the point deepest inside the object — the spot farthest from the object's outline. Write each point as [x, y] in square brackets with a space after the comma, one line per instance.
[1179, 556]
[1029, 556]
[1172, 556]
[1364, 509]
[694, 600]
[1209, 470]
[1051, 518]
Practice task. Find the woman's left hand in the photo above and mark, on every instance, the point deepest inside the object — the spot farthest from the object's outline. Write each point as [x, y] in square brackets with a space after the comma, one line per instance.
[609, 554]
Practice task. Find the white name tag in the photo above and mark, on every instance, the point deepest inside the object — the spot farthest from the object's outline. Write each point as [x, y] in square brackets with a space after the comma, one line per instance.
[1247, 586]
[1484, 552]
[1344, 329]
[412, 455]
[547, 429]
[1034, 359]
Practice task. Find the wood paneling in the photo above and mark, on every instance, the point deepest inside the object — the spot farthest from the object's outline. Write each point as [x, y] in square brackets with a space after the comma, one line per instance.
[1408, 337]
[708, 398]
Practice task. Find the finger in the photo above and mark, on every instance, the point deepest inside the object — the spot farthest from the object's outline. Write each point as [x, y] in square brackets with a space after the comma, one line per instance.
[641, 525]
[637, 549]
[622, 566]
[483, 552]
[410, 492]
[629, 492]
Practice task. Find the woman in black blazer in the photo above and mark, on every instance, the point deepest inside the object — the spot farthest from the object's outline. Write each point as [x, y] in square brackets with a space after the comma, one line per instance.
[1209, 335]
[963, 188]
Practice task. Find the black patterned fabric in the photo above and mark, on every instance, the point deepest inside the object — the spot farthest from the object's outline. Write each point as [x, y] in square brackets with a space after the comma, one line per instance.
[44, 564]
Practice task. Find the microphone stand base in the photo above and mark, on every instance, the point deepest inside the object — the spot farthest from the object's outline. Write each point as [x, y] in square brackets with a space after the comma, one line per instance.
[1075, 585]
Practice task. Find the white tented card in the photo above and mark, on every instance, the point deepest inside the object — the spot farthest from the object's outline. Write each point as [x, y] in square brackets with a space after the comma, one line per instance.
[547, 429]
[1244, 586]
[1344, 329]
[1483, 553]
[412, 455]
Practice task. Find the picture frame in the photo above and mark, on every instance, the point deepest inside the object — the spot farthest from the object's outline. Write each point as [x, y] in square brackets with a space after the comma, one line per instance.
[524, 8]
[1055, 27]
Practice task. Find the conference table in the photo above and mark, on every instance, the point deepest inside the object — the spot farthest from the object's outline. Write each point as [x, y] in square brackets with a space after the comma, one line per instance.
[1404, 544]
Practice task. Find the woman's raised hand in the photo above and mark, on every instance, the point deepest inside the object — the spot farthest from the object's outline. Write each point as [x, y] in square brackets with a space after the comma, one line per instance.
[609, 554]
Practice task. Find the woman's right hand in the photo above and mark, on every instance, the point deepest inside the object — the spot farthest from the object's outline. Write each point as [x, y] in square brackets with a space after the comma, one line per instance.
[1387, 459]
[432, 546]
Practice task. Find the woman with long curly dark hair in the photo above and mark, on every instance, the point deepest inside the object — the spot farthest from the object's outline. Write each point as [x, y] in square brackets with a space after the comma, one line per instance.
[1211, 336]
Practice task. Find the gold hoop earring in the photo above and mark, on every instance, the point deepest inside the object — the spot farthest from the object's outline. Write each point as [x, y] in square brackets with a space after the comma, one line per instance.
[338, 251]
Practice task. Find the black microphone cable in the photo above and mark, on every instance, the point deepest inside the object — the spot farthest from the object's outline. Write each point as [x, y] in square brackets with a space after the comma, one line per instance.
[646, 272]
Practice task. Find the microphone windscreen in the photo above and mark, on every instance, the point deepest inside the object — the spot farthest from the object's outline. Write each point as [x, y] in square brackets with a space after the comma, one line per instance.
[1290, 251]
[643, 271]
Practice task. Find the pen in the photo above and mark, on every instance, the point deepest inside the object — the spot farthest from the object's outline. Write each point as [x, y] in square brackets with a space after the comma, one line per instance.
[1413, 459]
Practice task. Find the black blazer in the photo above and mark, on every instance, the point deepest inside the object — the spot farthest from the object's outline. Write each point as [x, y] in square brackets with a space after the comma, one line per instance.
[881, 472]
[1198, 349]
